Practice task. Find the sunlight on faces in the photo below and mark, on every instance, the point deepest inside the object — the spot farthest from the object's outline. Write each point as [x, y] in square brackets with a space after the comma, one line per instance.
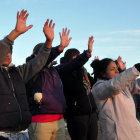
[8, 59]
[111, 71]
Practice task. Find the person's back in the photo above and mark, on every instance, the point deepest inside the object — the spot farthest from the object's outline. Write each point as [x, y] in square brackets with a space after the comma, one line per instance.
[47, 112]
[49, 84]
[81, 109]
[79, 101]
[46, 98]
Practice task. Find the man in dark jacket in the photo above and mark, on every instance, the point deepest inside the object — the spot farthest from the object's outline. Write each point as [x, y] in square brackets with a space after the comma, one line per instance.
[14, 112]
[81, 109]
[46, 98]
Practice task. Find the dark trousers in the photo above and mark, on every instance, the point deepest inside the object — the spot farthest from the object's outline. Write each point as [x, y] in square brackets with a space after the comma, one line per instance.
[83, 127]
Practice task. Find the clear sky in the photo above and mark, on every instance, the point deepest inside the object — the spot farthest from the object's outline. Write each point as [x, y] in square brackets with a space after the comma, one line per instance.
[115, 25]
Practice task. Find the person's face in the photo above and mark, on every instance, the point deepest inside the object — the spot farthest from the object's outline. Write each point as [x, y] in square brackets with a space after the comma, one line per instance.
[112, 71]
[8, 59]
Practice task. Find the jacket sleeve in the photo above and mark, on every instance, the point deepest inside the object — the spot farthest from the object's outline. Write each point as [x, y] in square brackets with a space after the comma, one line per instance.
[53, 54]
[108, 88]
[28, 70]
[76, 63]
[135, 86]
[5, 45]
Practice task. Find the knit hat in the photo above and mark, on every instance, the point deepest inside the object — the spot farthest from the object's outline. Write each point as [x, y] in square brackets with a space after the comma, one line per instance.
[37, 47]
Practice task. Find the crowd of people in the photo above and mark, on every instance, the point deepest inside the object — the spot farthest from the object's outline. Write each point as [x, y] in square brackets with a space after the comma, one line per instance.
[38, 98]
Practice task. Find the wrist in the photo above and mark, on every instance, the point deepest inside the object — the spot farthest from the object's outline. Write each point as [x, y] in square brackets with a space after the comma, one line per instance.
[48, 44]
[60, 48]
[88, 53]
[13, 35]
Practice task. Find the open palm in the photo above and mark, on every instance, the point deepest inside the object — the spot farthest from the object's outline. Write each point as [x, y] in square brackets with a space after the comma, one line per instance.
[49, 30]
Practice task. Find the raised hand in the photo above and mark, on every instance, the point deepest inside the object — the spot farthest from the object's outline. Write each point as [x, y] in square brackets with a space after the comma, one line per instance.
[20, 25]
[90, 44]
[96, 58]
[65, 40]
[21, 22]
[49, 30]
[121, 64]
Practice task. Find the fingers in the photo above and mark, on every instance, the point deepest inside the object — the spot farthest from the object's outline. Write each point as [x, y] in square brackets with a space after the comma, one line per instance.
[22, 14]
[68, 32]
[50, 25]
[29, 27]
[96, 58]
[70, 39]
[26, 16]
[65, 32]
[47, 24]
[60, 34]
[120, 58]
[91, 40]
[53, 25]
[18, 15]
[65, 39]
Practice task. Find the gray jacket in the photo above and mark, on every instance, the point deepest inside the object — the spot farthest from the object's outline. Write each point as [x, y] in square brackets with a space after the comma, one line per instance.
[116, 107]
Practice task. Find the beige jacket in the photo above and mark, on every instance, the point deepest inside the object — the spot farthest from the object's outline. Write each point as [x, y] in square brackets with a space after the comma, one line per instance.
[116, 107]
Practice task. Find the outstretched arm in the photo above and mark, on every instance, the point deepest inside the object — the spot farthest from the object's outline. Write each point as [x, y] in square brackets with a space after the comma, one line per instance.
[28, 70]
[90, 44]
[20, 28]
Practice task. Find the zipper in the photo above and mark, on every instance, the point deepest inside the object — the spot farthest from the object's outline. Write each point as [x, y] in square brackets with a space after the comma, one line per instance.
[15, 96]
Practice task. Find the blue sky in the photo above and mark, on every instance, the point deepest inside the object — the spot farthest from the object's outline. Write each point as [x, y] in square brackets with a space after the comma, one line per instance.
[115, 25]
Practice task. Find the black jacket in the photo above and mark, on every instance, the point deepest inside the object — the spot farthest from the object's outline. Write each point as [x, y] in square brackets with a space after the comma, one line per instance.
[77, 100]
[14, 112]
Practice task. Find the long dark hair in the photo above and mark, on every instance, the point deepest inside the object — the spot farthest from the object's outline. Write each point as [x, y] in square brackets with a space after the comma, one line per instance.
[100, 67]
[68, 55]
